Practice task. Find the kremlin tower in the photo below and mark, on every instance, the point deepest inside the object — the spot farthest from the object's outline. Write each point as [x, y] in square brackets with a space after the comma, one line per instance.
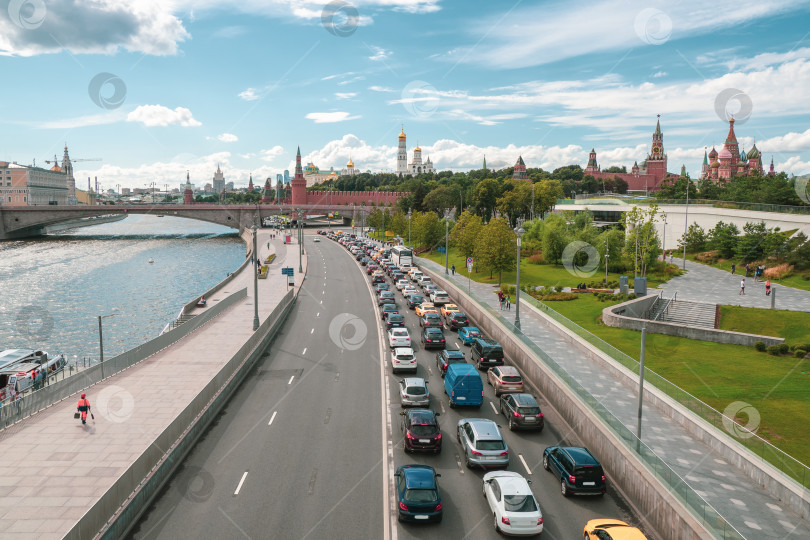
[299, 184]
[519, 172]
[188, 195]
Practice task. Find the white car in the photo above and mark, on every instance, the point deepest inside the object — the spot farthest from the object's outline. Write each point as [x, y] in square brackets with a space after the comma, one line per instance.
[401, 284]
[399, 337]
[316, 239]
[402, 359]
[416, 275]
[408, 290]
[512, 503]
[439, 298]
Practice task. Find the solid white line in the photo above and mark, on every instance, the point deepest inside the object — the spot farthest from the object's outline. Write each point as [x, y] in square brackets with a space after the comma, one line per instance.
[242, 481]
[318, 314]
[291, 379]
[272, 418]
[458, 345]
[305, 351]
[528, 470]
[312, 331]
[493, 407]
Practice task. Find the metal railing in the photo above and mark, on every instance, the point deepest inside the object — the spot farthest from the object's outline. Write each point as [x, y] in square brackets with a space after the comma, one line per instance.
[664, 310]
[734, 205]
[649, 311]
[697, 505]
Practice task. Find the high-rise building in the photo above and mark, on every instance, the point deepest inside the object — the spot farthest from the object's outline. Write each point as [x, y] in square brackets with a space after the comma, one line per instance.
[286, 176]
[219, 181]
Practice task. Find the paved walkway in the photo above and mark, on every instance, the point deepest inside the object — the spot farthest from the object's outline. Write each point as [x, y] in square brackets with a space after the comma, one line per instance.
[54, 469]
[703, 283]
[751, 510]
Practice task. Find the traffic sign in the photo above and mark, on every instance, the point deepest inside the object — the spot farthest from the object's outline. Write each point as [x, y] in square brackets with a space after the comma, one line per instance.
[469, 268]
[289, 270]
[469, 261]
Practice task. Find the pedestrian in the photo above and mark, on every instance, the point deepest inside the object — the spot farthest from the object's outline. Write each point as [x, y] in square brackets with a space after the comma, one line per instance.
[500, 299]
[453, 269]
[268, 243]
[508, 302]
[747, 269]
[671, 257]
[83, 407]
[733, 268]
[742, 286]
[768, 288]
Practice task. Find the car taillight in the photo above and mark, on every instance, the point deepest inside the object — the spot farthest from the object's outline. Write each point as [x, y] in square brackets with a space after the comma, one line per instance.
[476, 453]
[572, 479]
[408, 435]
[402, 506]
[439, 436]
[517, 414]
[539, 521]
[505, 453]
[603, 478]
[505, 520]
[540, 415]
[438, 507]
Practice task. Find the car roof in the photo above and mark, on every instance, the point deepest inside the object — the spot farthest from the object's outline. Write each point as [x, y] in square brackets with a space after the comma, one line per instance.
[394, 315]
[511, 483]
[580, 455]
[450, 353]
[424, 417]
[508, 370]
[487, 342]
[431, 314]
[618, 529]
[389, 305]
[414, 381]
[433, 330]
[419, 476]
[525, 400]
[471, 329]
[403, 350]
[484, 428]
[400, 329]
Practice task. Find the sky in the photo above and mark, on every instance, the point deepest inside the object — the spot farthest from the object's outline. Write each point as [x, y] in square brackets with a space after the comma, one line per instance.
[146, 90]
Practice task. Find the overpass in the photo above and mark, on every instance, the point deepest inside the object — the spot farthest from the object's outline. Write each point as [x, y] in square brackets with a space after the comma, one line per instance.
[27, 221]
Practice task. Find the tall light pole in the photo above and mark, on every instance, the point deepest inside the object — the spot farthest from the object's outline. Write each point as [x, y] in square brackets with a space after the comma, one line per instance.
[519, 232]
[446, 234]
[686, 222]
[532, 212]
[641, 381]
[410, 211]
[664, 239]
[255, 278]
[300, 243]
[101, 341]
[607, 256]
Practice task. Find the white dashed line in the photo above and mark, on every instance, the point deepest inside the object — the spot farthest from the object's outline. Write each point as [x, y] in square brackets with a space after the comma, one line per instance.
[272, 418]
[493, 407]
[305, 351]
[318, 314]
[528, 470]
[291, 379]
[312, 331]
[242, 481]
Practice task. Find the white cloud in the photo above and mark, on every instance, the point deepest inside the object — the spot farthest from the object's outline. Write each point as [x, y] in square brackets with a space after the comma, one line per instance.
[379, 53]
[227, 137]
[158, 115]
[345, 95]
[271, 153]
[110, 117]
[376, 88]
[330, 117]
[659, 74]
[353, 79]
[249, 94]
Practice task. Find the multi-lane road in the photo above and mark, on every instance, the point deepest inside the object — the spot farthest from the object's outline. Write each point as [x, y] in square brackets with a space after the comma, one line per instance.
[308, 445]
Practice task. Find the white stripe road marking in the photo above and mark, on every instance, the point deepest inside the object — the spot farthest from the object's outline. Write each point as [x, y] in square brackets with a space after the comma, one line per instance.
[312, 331]
[291, 379]
[272, 418]
[242, 481]
[528, 470]
[318, 314]
[493, 407]
[305, 351]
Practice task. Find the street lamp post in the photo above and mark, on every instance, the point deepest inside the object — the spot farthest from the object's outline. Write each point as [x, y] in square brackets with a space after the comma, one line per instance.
[101, 341]
[519, 232]
[686, 223]
[446, 234]
[410, 211]
[664, 240]
[607, 256]
[532, 212]
[300, 243]
[255, 278]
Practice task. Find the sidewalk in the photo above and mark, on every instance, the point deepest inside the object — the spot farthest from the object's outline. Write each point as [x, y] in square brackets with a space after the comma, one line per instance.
[702, 283]
[751, 510]
[54, 469]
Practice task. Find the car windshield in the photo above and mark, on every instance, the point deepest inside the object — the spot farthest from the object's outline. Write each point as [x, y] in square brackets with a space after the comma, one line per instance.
[416, 390]
[421, 495]
[404, 357]
[511, 378]
[432, 317]
[490, 445]
[529, 411]
[588, 472]
[519, 503]
[400, 333]
[421, 429]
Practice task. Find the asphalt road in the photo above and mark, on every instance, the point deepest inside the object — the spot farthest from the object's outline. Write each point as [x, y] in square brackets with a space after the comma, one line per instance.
[324, 464]
[298, 451]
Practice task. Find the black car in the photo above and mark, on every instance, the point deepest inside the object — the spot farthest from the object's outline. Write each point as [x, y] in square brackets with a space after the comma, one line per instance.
[382, 287]
[486, 353]
[394, 320]
[446, 357]
[420, 429]
[388, 308]
[577, 470]
[456, 320]
[522, 411]
[378, 279]
[414, 300]
[433, 338]
[430, 320]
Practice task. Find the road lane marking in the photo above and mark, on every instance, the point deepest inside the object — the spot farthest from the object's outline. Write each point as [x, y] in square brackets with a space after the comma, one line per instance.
[442, 405]
[458, 345]
[328, 416]
[525, 466]
[493, 407]
[305, 351]
[242, 481]
[318, 314]
[312, 331]
[291, 379]
[312, 481]
[272, 418]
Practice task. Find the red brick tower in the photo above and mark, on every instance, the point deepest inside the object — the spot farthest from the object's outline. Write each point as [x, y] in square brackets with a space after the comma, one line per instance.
[519, 172]
[592, 167]
[298, 183]
[188, 195]
[657, 159]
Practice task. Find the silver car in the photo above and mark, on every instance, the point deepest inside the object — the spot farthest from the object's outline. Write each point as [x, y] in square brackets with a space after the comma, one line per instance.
[482, 443]
[413, 392]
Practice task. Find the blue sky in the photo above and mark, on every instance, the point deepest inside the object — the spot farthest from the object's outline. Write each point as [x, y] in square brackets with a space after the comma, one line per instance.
[157, 88]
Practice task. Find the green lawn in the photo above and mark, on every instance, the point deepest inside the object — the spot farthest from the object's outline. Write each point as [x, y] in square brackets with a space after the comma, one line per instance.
[797, 280]
[794, 326]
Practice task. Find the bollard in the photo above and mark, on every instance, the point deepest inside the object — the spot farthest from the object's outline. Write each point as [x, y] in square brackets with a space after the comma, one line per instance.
[773, 297]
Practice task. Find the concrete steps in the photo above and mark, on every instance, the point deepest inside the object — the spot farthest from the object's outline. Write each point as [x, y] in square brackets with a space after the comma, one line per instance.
[690, 313]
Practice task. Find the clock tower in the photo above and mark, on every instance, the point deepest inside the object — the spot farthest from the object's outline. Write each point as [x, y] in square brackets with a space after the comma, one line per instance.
[657, 159]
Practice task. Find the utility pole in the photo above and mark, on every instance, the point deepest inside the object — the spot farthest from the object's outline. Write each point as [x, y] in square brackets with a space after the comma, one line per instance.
[255, 278]
[686, 222]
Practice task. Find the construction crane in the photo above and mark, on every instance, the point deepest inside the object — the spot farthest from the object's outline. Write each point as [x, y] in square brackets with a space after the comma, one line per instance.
[72, 160]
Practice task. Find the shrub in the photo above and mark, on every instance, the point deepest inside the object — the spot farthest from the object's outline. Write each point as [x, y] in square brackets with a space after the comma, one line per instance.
[559, 297]
[800, 353]
[760, 346]
[709, 257]
[535, 259]
[783, 348]
[773, 350]
[779, 272]
[631, 296]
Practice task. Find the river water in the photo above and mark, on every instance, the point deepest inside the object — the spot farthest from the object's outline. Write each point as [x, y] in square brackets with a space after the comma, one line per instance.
[53, 288]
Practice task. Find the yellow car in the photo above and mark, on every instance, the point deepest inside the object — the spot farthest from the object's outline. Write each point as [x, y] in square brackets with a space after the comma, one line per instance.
[422, 308]
[611, 529]
[447, 308]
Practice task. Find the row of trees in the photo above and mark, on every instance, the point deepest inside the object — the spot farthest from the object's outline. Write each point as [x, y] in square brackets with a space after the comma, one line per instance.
[776, 189]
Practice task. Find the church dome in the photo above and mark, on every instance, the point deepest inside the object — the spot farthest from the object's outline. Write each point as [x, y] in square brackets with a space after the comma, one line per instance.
[56, 168]
[724, 154]
[713, 153]
[417, 149]
[402, 135]
[715, 164]
[754, 152]
[350, 164]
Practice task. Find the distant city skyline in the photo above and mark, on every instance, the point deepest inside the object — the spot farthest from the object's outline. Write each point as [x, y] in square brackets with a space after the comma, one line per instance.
[155, 90]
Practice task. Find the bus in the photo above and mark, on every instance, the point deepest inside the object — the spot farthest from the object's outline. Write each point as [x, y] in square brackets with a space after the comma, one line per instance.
[402, 256]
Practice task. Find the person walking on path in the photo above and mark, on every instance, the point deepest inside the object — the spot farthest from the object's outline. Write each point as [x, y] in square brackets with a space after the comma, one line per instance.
[83, 407]
[742, 286]
[500, 299]
[671, 257]
[733, 268]
[508, 302]
[453, 269]
[747, 269]
[768, 287]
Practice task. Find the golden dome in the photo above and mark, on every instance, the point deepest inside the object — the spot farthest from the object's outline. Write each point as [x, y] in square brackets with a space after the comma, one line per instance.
[402, 135]
[350, 164]
[56, 168]
[417, 149]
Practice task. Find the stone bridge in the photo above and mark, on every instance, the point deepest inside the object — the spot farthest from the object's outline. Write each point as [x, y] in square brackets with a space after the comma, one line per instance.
[26, 221]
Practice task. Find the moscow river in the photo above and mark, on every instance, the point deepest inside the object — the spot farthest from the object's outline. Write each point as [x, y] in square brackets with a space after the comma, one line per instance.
[53, 288]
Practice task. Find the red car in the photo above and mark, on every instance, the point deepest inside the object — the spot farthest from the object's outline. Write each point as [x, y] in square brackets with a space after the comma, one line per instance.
[420, 429]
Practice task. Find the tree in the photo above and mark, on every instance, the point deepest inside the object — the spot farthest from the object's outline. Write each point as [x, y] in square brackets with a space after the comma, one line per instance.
[695, 239]
[466, 232]
[750, 244]
[399, 224]
[723, 237]
[426, 229]
[555, 238]
[485, 197]
[642, 243]
[515, 202]
[613, 240]
[439, 199]
[546, 193]
[496, 249]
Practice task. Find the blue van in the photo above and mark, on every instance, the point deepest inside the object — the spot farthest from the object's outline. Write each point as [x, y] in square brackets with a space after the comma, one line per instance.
[463, 385]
